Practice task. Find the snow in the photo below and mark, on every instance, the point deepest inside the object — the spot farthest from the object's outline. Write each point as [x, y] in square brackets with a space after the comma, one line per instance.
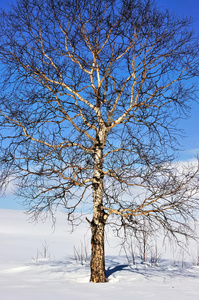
[38, 262]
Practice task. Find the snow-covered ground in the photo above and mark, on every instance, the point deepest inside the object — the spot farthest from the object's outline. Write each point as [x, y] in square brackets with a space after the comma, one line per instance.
[38, 262]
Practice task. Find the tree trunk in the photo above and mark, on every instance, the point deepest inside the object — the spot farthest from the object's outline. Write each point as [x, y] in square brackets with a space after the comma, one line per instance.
[97, 263]
[99, 220]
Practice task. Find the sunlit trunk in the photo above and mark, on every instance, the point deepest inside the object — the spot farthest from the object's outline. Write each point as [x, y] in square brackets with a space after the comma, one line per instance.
[98, 223]
[97, 255]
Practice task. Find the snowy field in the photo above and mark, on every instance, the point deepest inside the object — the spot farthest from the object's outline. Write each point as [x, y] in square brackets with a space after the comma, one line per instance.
[37, 262]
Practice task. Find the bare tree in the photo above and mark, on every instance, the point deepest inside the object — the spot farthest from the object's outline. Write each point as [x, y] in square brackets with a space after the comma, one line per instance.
[90, 95]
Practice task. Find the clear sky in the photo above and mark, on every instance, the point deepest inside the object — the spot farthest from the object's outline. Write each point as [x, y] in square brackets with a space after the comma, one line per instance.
[191, 125]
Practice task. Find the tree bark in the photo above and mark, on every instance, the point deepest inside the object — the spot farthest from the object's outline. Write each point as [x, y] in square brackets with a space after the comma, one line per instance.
[97, 263]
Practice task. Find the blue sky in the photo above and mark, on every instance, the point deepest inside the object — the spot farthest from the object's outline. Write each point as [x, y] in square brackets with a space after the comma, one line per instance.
[190, 126]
